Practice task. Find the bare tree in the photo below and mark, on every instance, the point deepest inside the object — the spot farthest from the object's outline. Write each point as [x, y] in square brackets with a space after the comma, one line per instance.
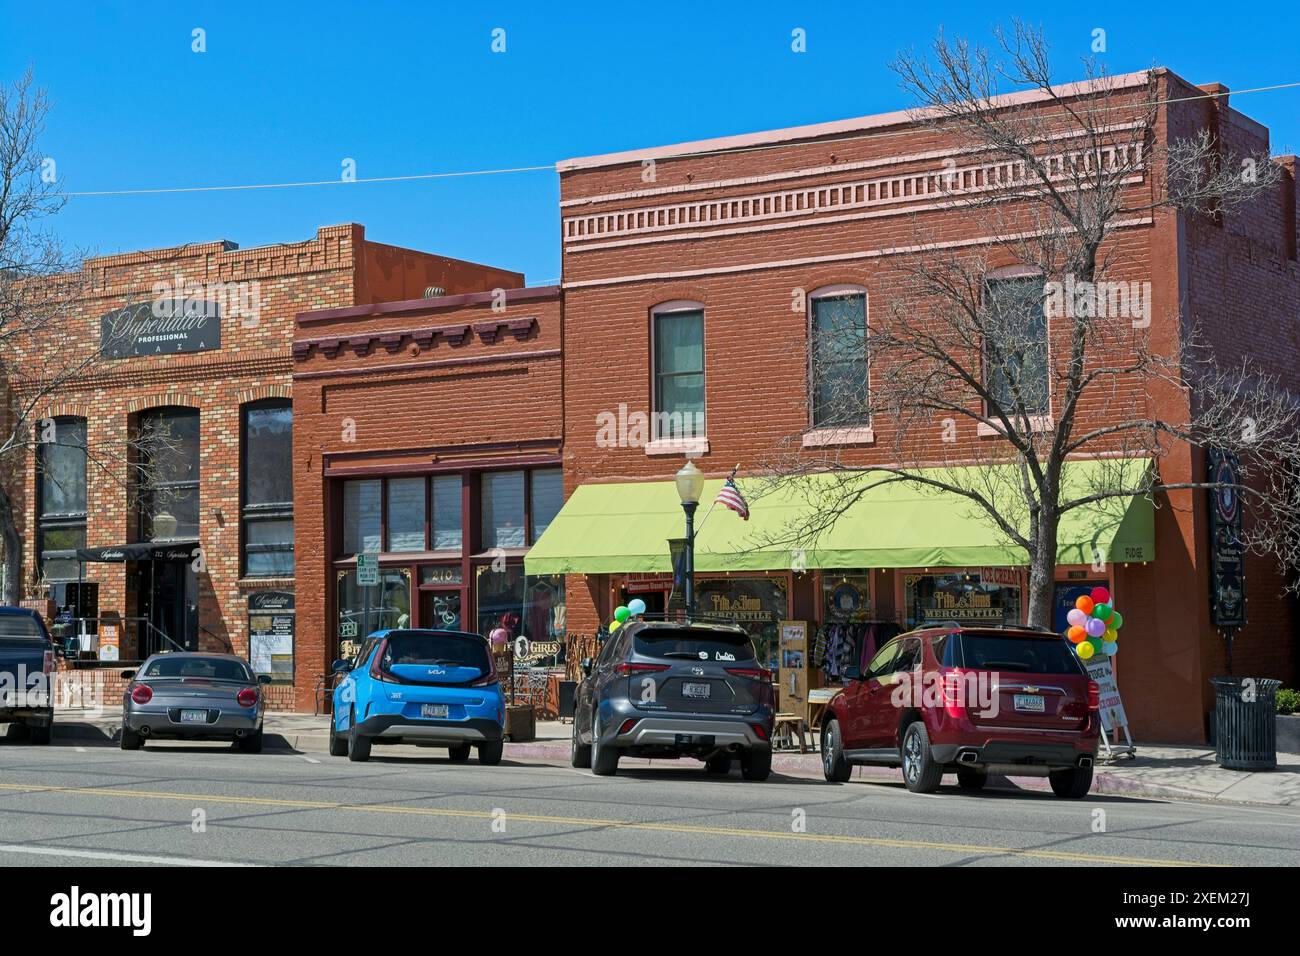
[1039, 338]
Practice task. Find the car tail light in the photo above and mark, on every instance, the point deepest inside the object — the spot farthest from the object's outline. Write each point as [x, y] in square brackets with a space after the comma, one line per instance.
[376, 671]
[490, 677]
[142, 693]
[952, 694]
[246, 697]
[757, 673]
[47, 666]
[632, 667]
[760, 731]
[627, 725]
[1094, 697]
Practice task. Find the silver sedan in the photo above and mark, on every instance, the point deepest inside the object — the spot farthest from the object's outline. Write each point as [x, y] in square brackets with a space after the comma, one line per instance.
[189, 696]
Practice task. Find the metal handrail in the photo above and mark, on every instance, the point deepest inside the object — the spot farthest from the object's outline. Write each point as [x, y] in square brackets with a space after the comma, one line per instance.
[161, 633]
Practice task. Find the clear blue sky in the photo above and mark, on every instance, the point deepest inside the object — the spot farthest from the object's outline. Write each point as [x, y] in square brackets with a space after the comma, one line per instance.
[414, 87]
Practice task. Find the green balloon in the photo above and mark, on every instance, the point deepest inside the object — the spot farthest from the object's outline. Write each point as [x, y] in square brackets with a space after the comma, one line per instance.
[1096, 643]
[621, 614]
[1117, 621]
[1101, 611]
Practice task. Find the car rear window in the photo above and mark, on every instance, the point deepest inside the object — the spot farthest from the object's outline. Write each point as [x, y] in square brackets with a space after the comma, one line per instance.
[211, 668]
[693, 644]
[412, 647]
[991, 651]
[19, 627]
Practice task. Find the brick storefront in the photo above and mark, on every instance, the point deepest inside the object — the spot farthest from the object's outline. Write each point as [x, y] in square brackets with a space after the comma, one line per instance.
[733, 227]
[206, 606]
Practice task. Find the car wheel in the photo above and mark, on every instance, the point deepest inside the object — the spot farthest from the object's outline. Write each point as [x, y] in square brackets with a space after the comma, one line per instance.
[130, 739]
[489, 754]
[604, 758]
[834, 767]
[252, 744]
[458, 753]
[972, 779]
[358, 746]
[579, 753]
[921, 772]
[40, 733]
[719, 764]
[1072, 783]
[756, 764]
[338, 746]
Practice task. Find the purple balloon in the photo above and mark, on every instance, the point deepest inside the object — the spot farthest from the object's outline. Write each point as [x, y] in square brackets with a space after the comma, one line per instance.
[1095, 627]
[1076, 617]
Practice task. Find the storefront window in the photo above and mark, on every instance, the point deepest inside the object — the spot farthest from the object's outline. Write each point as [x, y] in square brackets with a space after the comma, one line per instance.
[406, 514]
[169, 463]
[547, 495]
[846, 596]
[964, 597]
[361, 516]
[365, 610]
[531, 605]
[446, 513]
[503, 509]
[756, 604]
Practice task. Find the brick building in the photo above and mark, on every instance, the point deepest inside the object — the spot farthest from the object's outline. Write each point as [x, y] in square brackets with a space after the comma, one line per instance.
[163, 512]
[677, 301]
[427, 433]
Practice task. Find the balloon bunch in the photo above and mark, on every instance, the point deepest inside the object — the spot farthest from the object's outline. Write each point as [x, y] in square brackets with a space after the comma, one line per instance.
[633, 608]
[1094, 624]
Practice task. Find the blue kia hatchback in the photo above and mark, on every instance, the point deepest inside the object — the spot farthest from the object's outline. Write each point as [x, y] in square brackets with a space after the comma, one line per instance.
[428, 687]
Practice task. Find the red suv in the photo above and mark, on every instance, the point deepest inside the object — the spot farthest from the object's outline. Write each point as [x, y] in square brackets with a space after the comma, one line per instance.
[974, 700]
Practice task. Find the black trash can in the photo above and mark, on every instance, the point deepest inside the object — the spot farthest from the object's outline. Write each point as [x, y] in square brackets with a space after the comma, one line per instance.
[1245, 730]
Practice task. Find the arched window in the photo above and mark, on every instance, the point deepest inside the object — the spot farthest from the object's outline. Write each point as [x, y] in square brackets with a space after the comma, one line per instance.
[168, 440]
[837, 357]
[266, 489]
[60, 500]
[678, 350]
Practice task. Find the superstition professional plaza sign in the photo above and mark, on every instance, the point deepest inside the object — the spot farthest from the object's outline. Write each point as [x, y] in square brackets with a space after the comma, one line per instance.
[161, 327]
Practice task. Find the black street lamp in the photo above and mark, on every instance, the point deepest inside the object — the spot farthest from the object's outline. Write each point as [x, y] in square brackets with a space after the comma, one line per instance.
[690, 485]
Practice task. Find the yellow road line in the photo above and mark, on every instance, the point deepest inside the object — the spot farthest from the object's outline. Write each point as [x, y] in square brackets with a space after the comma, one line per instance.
[1060, 855]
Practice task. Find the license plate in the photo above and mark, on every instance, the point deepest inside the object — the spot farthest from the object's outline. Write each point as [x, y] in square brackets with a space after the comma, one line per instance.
[1029, 702]
[696, 690]
[433, 710]
[194, 716]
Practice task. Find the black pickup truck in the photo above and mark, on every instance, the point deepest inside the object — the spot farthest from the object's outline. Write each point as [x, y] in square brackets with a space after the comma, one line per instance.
[26, 673]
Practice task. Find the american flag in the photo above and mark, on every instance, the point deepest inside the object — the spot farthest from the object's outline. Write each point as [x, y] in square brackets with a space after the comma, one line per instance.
[730, 496]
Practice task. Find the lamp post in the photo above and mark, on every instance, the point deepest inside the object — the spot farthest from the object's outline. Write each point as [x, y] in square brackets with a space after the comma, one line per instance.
[690, 485]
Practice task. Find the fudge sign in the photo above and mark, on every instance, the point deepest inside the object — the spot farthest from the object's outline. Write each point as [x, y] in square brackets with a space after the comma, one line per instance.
[161, 327]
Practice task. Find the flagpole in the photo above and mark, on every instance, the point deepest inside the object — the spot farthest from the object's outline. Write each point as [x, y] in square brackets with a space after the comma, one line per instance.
[715, 500]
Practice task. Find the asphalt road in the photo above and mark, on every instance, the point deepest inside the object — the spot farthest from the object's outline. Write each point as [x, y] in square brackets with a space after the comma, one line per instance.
[67, 804]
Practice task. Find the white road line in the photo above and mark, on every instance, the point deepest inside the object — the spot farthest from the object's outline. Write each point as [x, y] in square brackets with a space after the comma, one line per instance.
[81, 750]
[121, 857]
[306, 758]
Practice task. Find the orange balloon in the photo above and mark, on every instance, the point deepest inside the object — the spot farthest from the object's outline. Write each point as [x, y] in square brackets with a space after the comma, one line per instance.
[1085, 603]
[1076, 634]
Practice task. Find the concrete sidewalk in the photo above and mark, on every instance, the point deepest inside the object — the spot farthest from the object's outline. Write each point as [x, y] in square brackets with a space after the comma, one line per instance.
[1171, 772]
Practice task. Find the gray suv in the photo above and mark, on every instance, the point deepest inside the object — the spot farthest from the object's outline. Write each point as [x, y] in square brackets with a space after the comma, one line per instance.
[665, 689]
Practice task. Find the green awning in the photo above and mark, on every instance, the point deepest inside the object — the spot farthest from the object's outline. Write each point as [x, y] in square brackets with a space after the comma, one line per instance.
[625, 527]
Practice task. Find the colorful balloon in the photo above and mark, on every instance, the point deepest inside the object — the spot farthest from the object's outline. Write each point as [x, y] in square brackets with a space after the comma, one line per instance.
[1111, 635]
[1116, 621]
[1100, 596]
[1076, 634]
[621, 614]
[1085, 649]
[1109, 648]
[1102, 611]
[636, 606]
[1084, 603]
[1095, 628]
[615, 626]
[1076, 617]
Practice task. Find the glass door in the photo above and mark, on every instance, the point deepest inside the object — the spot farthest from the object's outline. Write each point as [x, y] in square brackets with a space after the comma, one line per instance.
[441, 609]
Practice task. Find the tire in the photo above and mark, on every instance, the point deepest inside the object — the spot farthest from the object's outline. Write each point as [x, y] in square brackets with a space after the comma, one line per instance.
[338, 746]
[251, 744]
[834, 767]
[972, 780]
[40, 734]
[1072, 783]
[921, 772]
[130, 739]
[489, 754]
[458, 753]
[756, 764]
[358, 746]
[719, 765]
[579, 753]
[604, 758]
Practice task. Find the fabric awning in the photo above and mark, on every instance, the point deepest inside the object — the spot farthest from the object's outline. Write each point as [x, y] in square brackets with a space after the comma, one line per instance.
[624, 527]
[140, 551]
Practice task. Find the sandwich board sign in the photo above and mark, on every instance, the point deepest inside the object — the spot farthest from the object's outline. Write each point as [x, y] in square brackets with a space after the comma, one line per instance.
[1111, 708]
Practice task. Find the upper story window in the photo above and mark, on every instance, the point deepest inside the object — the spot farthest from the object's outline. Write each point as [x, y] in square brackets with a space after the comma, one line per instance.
[266, 489]
[837, 356]
[678, 348]
[362, 516]
[502, 495]
[61, 498]
[402, 515]
[169, 477]
[1015, 344]
[546, 495]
